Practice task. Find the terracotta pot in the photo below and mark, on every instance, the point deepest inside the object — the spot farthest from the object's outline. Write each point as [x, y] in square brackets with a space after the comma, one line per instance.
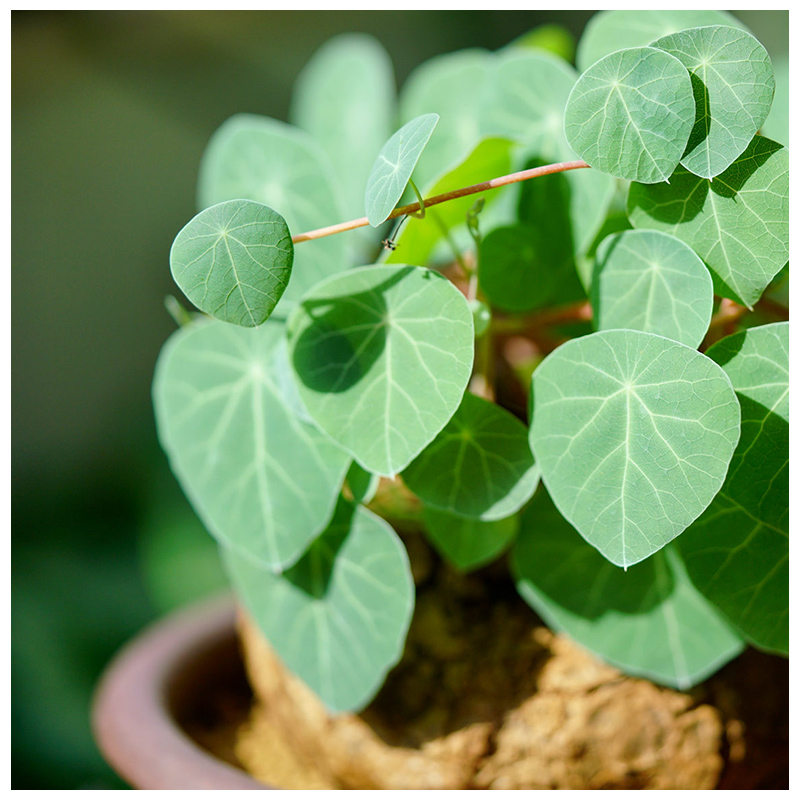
[163, 684]
[158, 682]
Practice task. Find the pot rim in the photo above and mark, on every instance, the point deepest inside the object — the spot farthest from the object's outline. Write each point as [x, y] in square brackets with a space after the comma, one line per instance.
[132, 710]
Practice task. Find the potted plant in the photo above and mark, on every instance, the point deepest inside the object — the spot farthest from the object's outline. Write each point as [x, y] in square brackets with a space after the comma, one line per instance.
[551, 344]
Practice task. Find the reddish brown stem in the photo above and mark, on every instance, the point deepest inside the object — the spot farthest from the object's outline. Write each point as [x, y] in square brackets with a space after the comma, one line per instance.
[724, 322]
[494, 183]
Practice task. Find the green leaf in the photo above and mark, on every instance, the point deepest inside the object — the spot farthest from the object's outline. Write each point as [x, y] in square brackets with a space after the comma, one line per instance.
[738, 223]
[233, 261]
[733, 86]
[453, 86]
[419, 237]
[481, 317]
[392, 168]
[529, 93]
[261, 159]
[479, 466]
[737, 553]
[468, 543]
[608, 31]
[564, 213]
[521, 266]
[382, 357]
[776, 126]
[262, 480]
[631, 113]
[344, 97]
[633, 434]
[338, 618]
[652, 282]
[526, 102]
[648, 620]
[552, 38]
[362, 484]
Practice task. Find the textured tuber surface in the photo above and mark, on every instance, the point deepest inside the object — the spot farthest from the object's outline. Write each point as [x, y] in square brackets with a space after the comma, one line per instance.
[483, 698]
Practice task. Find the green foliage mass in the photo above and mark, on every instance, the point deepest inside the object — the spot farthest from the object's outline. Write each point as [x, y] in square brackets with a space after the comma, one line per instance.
[588, 368]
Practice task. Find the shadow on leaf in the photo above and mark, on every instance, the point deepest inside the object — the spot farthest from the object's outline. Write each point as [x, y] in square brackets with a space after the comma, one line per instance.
[312, 573]
[344, 336]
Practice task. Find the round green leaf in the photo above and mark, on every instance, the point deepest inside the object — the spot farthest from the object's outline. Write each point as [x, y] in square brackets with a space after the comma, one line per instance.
[338, 618]
[261, 159]
[468, 543]
[737, 553]
[633, 434]
[631, 113]
[348, 80]
[738, 223]
[651, 281]
[529, 92]
[479, 466]
[648, 620]
[393, 167]
[608, 31]
[233, 261]
[733, 86]
[382, 357]
[453, 86]
[516, 271]
[262, 480]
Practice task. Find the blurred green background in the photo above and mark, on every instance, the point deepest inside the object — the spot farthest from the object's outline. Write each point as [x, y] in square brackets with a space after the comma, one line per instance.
[110, 114]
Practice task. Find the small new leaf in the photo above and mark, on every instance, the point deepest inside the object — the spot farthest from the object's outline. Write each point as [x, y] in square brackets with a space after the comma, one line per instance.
[393, 167]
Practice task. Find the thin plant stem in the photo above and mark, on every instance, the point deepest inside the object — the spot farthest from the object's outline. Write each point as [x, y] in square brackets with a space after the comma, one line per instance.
[448, 237]
[494, 183]
[421, 213]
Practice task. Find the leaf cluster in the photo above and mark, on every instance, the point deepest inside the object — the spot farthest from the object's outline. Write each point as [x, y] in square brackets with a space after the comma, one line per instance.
[587, 371]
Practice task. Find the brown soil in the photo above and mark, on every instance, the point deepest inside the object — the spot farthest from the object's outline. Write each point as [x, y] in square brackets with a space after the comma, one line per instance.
[487, 697]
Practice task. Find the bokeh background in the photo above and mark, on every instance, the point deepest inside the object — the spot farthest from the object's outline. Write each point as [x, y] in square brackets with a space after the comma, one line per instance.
[110, 115]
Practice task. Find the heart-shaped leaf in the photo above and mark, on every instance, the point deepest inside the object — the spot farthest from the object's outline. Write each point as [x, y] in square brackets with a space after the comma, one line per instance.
[743, 538]
[468, 543]
[648, 620]
[608, 31]
[393, 167]
[262, 480]
[738, 223]
[382, 357]
[633, 434]
[733, 84]
[651, 281]
[261, 159]
[631, 113]
[233, 261]
[479, 466]
[339, 617]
